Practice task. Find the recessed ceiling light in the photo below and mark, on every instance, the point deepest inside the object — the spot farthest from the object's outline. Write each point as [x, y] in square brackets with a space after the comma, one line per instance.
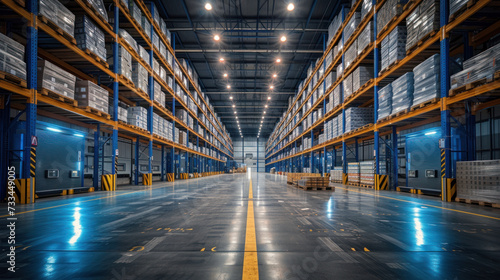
[225, 75]
[221, 59]
[275, 75]
[262, 117]
[271, 87]
[216, 37]
[278, 60]
[264, 112]
[290, 7]
[235, 112]
[234, 105]
[283, 38]
[269, 98]
[208, 6]
[228, 86]
[230, 97]
[236, 117]
[265, 106]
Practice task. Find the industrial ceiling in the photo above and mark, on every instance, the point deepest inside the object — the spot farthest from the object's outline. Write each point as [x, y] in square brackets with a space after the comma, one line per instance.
[235, 46]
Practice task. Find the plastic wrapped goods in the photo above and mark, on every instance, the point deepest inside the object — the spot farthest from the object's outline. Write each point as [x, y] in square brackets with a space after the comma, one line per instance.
[393, 47]
[12, 57]
[482, 65]
[124, 62]
[353, 172]
[427, 81]
[140, 76]
[356, 117]
[455, 5]
[101, 9]
[366, 6]
[55, 79]
[423, 20]
[365, 37]
[129, 39]
[351, 26]
[56, 12]
[361, 76]
[402, 93]
[347, 84]
[89, 37]
[146, 26]
[135, 11]
[366, 173]
[92, 95]
[384, 102]
[388, 11]
[138, 116]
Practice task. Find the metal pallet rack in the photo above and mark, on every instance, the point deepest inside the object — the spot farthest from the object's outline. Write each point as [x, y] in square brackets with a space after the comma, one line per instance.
[280, 144]
[41, 36]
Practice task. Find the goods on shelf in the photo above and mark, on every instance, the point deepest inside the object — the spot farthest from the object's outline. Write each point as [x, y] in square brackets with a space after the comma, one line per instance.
[125, 2]
[135, 11]
[156, 40]
[99, 6]
[164, 30]
[55, 79]
[146, 26]
[347, 84]
[334, 27]
[159, 96]
[384, 102]
[480, 66]
[162, 127]
[156, 67]
[365, 37]
[351, 26]
[423, 20]
[56, 12]
[138, 116]
[155, 13]
[366, 173]
[12, 57]
[427, 82]
[129, 39]
[144, 54]
[361, 76]
[353, 172]
[122, 109]
[140, 76]
[366, 6]
[91, 95]
[351, 54]
[479, 180]
[336, 174]
[356, 117]
[402, 93]
[337, 126]
[455, 5]
[182, 115]
[393, 47]
[388, 11]
[89, 37]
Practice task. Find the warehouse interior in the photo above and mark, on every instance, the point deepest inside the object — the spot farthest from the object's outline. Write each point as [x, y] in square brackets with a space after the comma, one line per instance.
[267, 139]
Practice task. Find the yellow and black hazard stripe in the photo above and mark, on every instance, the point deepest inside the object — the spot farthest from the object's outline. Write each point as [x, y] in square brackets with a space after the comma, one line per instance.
[345, 179]
[108, 182]
[170, 177]
[147, 179]
[33, 162]
[451, 189]
[116, 164]
[381, 182]
[443, 163]
[24, 190]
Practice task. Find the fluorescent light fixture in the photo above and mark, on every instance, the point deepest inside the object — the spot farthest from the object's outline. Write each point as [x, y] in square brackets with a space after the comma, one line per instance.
[290, 7]
[430, 133]
[235, 112]
[208, 6]
[54, 129]
[78, 135]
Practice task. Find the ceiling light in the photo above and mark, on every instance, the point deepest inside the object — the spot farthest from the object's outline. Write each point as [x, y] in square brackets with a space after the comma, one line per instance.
[271, 87]
[216, 37]
[290, 7]
[236, 117]
[225, 75]
[269, 98]
[264, 112]
[275, 75]
[234, 105]
[265, 106]
[262, 117]
[278, 60]
[208, 6]
[54, 129]
[283, 38]
[78, 135]
[228, 86]
[221, 59]
[230, 97]
[235, 112]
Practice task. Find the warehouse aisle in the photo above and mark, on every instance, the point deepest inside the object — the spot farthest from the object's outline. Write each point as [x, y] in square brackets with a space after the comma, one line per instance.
[198, 229]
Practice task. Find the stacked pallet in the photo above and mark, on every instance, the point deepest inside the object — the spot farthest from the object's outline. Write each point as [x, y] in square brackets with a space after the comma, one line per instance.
[353, 173]
[366, 173]
[336, 174]
[12, 57]
[313, 183]
[479, 182]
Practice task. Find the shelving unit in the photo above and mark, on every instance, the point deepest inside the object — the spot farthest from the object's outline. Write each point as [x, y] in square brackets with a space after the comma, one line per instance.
[280, 144]
[44, 41]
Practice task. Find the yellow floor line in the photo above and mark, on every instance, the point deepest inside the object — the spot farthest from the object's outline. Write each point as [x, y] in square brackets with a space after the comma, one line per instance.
[415, 202]
[250, 262]
[99, 198]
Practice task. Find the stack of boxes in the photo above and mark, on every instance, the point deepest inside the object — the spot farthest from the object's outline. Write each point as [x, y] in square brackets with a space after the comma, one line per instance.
[347, 84]
[135, 11]
[99, 6]
[89, 37]
[144, 54]
[138, 116]
[427, 80]
[124, 63]
[129, 39]
[56, 12]
[353, 172]
[92, 95]
[483, 65]
[182, 115]
[351, 54]
[55, 79]
[384, 102]
[365, 37]
[334, 27]
[140, 76]
[423, 20]
[402, 93]
[366, 173]
[479, 180]
[12, 57]
[122, 110]
[388, 11]
[455, 5]
[336, 174]
[361, 76]
[393, 47]
[366, 6]
[146, 26]
[351, 26]
[159, 96]
[356, 117]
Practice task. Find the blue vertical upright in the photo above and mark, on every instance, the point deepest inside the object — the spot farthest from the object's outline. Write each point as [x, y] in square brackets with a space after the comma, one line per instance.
[137, 155]
[114, 142]
[162, 177]
[376, 59]
[395, 166]
[97, 147]
[344, 146]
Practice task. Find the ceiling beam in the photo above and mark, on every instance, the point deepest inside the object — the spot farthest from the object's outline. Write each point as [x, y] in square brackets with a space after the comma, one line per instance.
[246, 51]
[249, 92]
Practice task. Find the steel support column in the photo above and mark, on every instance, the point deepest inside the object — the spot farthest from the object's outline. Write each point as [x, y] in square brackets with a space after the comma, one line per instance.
[394, 138]
[96, 178]
[137, 155]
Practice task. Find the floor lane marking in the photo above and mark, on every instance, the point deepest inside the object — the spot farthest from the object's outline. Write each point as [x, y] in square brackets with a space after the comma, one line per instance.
[250, 262]
[420, 203]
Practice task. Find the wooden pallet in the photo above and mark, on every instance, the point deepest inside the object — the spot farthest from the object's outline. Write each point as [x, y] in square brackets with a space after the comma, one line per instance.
[353, 184]
[420, 42]
[358, 129]
[57, 96]
[424, 104]
[95, 111]
[389, 67]
[13, 79]
[384, 29]
[476, 202]
[460, 11]
[126, 80]
[472, 85]
[97, 58]
[58, 29]
[366, 186]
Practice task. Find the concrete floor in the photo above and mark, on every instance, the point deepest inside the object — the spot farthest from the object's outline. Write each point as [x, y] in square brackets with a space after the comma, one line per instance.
[195, 229]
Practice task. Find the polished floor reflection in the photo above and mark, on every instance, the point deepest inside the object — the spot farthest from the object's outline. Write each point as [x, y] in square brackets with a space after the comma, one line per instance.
[196, 229]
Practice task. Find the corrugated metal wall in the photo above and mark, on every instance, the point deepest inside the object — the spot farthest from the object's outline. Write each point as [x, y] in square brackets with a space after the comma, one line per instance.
[245, 151]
